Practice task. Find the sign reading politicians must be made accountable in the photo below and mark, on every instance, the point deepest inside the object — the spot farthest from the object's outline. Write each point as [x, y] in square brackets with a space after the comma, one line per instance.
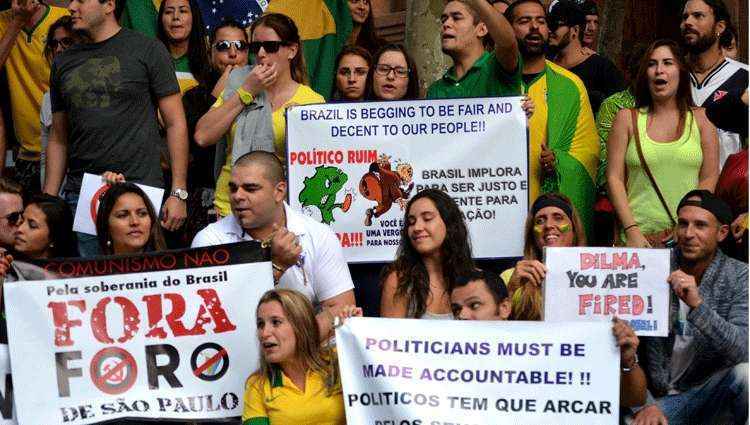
[165, 335]
[424, 372]
[585, 284]
[355, 166]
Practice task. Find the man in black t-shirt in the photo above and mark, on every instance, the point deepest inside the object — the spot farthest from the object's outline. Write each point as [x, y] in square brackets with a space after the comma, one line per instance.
[105, 95]
[567, 22]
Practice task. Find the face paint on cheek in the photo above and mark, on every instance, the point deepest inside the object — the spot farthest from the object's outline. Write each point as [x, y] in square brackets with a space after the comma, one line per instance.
[538, 229]
[564, 228]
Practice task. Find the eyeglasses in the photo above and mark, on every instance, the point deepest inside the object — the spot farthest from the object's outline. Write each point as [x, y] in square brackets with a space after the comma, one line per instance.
[383, 70]
[14, 217]
[347, 72]
[64, 42]
[268, 46]
[225, 45]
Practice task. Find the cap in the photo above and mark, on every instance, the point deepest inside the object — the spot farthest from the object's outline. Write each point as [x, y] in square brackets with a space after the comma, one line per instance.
[565, 13]
[589, 7]
[709, 202]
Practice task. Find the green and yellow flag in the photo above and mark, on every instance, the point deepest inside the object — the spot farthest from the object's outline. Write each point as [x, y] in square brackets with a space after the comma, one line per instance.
[141, 15]
[324, 27]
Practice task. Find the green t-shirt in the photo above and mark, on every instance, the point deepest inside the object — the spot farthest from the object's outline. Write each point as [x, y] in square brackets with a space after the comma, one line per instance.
[486, 78]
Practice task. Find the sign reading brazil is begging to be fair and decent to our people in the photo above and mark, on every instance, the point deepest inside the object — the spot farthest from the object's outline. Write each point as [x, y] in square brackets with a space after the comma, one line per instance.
[419, 372]
[584, 284]
[355, 166]
[167, 335]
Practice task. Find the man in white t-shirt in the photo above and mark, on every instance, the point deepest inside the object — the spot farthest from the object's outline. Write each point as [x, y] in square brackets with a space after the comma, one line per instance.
[306, 255]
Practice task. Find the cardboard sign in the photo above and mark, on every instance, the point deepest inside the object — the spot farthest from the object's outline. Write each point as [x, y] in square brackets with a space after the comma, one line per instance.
[92, 190]
[406, 371]
[167, 336]
[585, 284]
[355, 166]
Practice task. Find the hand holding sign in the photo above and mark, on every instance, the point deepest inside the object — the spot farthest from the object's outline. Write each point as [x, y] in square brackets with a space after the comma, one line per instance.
[528, 271]
[685, 288]
[110, 177]
[547, 159]
[626, 340]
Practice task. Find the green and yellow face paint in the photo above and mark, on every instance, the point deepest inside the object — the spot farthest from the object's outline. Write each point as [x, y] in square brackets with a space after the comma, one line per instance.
[563, 228]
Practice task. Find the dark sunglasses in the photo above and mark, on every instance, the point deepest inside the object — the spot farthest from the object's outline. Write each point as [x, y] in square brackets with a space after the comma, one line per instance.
[268, 46]
[225, 45]
[65, 42]
[14, 217]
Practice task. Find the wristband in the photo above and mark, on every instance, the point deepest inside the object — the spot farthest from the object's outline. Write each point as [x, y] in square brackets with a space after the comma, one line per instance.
[245, 96]
[632, 366]
[628, 227]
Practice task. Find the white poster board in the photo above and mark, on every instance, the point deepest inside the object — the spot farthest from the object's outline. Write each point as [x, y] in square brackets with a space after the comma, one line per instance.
[473, 372]
[585, 284]
[177, 343]
[92, 190]
[354, 166]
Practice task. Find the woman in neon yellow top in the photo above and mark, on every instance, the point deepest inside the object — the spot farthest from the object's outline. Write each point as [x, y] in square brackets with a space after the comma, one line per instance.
[298, 381]
[251, 110]
[679, 146]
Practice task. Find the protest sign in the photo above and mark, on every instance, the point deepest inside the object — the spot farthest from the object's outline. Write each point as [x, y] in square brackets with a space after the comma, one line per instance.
[92, 191]
[166, 335]
[355, 166]
[585, 284]
[7, 412]
[405, 371]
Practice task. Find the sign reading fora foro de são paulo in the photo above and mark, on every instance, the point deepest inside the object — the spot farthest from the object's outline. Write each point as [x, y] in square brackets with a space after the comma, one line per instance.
[355, 166]
[162, 336]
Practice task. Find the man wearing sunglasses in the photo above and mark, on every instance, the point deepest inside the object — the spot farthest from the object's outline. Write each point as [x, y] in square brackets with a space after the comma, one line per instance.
[23, 31]
[105, 96]
[466, 24]
[11, 209]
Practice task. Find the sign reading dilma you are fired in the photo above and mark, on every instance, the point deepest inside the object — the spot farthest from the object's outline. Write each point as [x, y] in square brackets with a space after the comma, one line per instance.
[354, 166]
[594, 283]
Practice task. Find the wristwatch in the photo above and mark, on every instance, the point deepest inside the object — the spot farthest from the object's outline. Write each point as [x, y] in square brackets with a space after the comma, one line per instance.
[180, 194]
[245, 96]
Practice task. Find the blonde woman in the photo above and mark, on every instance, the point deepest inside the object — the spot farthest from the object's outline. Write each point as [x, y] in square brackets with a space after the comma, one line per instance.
[298, 380]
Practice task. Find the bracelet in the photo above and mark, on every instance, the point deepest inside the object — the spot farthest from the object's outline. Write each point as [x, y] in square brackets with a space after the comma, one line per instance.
[628, 227]
[277, 268]
[632, 366]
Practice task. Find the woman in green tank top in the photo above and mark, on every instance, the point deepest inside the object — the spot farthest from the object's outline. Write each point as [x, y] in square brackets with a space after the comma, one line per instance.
[679, 146]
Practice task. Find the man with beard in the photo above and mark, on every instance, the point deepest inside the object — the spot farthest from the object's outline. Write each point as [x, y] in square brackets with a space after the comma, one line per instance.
[563, 145]
[715, 80]
[698, 374]
[567, 23]
[476, 72]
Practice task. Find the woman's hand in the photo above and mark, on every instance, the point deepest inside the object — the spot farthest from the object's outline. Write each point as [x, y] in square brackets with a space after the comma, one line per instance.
[528, 271]
[260, 78]
[110, 177]
[222, 82]
[626, 340]
[636, 239]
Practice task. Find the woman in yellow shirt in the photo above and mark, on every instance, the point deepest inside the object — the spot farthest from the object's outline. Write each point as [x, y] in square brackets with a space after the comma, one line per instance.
[251, 110]
[298, 381]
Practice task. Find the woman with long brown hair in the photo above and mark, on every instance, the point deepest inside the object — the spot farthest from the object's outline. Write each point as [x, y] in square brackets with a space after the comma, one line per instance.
[251, 109]
[298, 380]
[660, 150]
[552, 221]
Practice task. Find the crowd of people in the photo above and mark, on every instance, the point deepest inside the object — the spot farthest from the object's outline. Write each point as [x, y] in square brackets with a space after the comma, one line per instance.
[655, 156]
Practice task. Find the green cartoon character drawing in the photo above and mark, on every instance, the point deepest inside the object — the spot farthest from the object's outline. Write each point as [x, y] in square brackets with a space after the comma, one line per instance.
[320, 191]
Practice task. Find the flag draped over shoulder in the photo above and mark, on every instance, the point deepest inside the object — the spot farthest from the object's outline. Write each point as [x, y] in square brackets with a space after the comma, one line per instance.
[324, 27]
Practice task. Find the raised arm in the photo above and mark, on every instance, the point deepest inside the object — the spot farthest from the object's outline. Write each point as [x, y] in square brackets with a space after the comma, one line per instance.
[506, 46]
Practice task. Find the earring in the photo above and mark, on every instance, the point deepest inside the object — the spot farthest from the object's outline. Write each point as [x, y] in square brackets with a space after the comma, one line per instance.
[52, 245]
[109, 243]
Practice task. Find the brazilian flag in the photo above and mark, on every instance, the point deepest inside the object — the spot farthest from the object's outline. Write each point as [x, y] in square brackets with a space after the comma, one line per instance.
[324, 27]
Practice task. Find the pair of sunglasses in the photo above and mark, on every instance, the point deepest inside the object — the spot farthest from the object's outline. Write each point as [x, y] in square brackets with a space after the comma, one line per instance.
[64, 42]
[225, 45]
[268, 46]
[14, 217]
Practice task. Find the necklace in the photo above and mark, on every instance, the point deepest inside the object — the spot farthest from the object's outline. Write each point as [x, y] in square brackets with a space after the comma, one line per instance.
[705, 70]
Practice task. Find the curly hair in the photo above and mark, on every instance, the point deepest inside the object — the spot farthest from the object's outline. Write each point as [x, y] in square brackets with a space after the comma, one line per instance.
[456, 257]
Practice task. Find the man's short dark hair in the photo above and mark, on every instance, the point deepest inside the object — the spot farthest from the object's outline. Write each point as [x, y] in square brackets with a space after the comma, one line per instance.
[119, 7]
[492, 281]
[721, 13]
[228, 23]
[274, 169]
[10, 186]
[589, 8]
[512, 8]
[567, 13]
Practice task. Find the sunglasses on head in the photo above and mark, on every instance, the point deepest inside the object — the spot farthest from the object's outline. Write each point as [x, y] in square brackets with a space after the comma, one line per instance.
[268, 46]
[14, 217]
[65, 42]
[225, 45]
